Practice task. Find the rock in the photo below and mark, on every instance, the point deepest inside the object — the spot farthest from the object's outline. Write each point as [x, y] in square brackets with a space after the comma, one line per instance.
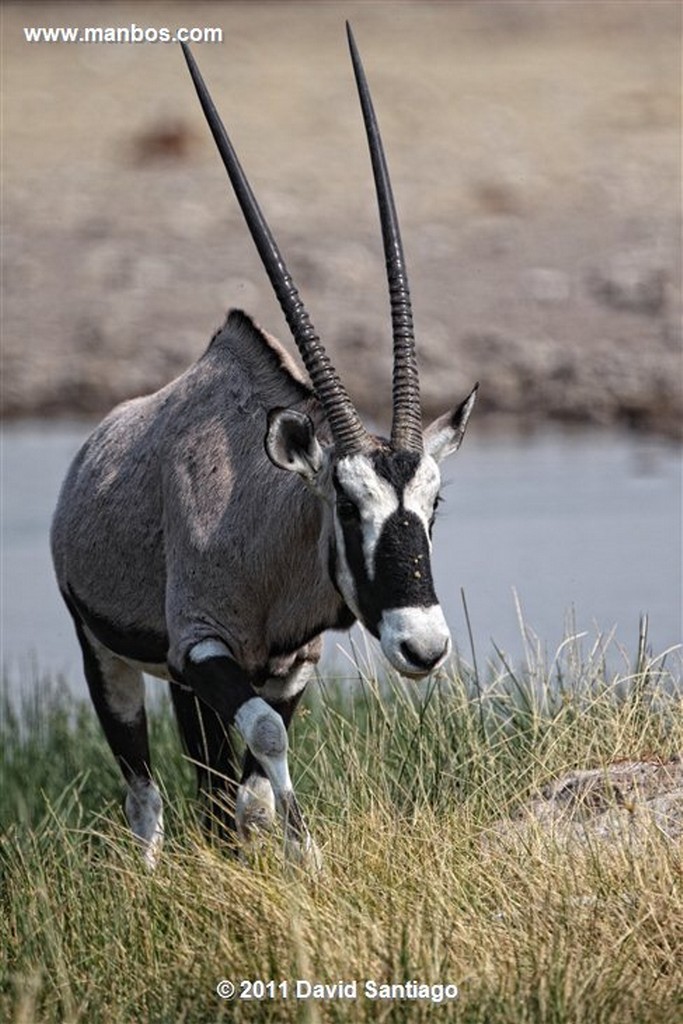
[625, 799]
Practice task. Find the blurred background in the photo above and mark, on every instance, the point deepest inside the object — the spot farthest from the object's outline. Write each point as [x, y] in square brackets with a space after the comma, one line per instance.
[535, 155]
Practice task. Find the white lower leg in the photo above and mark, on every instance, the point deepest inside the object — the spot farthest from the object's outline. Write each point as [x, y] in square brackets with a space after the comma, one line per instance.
[145, 814]
[265, 735]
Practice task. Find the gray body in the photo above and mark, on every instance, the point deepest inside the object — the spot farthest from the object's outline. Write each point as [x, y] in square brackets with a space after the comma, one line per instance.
[211, 532]
[193, 531]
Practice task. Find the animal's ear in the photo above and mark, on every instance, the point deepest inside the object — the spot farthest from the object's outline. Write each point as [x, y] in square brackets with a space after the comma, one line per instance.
[291, 443]
[444, 435]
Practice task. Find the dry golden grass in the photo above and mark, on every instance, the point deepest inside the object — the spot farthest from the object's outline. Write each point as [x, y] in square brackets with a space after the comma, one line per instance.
[426, 875]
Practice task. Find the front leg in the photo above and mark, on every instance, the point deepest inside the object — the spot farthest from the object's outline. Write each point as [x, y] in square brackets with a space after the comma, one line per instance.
[258, 796]
[221, 684]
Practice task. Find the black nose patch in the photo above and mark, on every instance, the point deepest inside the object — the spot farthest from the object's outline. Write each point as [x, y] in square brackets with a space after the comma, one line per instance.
[402, 563]
[402, 569]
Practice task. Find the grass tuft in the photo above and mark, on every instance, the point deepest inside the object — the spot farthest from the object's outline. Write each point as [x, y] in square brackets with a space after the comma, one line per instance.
[433, 869]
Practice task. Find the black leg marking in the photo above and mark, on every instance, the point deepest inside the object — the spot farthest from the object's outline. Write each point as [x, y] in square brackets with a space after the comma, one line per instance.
[128, 737]
[208, 744]
[215, 689]
[117, 692]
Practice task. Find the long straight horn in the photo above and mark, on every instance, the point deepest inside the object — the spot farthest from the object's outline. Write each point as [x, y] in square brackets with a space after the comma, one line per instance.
[406, 428]
[349, 434]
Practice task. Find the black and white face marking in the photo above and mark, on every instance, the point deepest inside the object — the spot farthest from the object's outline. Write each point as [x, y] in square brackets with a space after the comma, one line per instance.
[384, 510]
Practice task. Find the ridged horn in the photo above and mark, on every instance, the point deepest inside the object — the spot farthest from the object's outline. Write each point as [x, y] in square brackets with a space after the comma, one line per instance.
[406, 428]
[349, 434]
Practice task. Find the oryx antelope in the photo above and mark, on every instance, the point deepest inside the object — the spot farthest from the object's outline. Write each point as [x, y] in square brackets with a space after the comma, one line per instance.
[209, 533]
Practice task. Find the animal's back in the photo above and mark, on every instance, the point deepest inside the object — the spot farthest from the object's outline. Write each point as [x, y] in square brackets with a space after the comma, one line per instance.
[111, 528]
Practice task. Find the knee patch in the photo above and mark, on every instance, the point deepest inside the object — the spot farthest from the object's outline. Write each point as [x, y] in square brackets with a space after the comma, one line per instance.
[262, 728]
[270, 736]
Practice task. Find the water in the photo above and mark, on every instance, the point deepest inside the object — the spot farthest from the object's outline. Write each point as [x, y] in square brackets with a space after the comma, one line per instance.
[584, 522]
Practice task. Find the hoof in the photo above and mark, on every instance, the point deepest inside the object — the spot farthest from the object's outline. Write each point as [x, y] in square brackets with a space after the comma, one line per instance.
[254, 808]
[151, 849]
[144, 811]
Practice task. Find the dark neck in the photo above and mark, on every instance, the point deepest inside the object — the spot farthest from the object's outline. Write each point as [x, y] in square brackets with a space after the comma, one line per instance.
[303, 599]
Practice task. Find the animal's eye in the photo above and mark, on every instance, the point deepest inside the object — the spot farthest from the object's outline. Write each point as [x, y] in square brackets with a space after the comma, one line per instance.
[438, 501]
[347, 511]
